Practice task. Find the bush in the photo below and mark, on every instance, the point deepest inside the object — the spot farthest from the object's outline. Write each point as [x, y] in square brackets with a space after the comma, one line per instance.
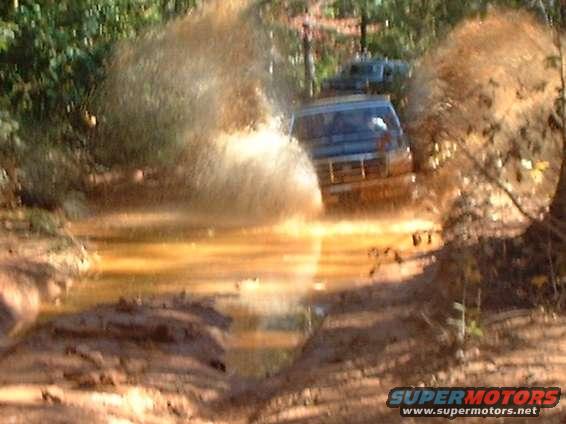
[48, 174]
[52, 57]
[59, 51]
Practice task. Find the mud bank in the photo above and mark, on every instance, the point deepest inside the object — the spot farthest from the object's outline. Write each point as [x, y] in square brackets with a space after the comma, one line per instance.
[35, 269]
[483, 121]
[146, 361]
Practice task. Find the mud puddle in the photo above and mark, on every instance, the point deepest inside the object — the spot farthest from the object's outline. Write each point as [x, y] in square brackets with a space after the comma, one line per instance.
[271, 280]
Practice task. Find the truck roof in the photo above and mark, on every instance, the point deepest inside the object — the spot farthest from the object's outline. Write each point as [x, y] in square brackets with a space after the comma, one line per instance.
[376, 60]
[341, 102]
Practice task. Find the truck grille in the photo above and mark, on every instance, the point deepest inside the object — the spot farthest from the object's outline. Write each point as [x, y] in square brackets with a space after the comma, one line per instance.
[350, 171]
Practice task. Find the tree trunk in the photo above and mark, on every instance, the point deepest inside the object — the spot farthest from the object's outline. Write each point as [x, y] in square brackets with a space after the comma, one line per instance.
[308, 59]
[364, 30]
[543, 12]
[165, 10]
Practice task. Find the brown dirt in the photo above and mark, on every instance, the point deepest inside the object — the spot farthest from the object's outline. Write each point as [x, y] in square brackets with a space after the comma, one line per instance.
[150, 361]
[161, 360]
[35, 267]
[481, 108]
[383, 337]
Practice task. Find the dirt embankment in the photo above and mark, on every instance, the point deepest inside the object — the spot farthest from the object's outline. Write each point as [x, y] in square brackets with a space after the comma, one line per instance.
[381, 337]
[142, 361]
[39, 263]
[483, 119]
[483, 114]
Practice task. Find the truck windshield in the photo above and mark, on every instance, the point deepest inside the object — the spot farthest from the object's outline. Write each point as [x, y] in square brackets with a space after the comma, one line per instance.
[361, 69]
[328, 124]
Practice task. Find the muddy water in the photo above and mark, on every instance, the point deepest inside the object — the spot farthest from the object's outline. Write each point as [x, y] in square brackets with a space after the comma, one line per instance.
[272, 280]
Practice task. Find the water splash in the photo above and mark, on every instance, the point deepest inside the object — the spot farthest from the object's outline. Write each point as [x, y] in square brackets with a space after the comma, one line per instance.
[259, 171]
[191, 97]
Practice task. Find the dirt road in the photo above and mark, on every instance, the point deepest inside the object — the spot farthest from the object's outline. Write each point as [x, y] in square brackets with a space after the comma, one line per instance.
[271, 279]
[276, 282]
[326, 317]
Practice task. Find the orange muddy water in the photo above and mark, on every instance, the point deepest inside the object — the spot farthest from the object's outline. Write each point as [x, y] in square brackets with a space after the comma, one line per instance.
[271, 279]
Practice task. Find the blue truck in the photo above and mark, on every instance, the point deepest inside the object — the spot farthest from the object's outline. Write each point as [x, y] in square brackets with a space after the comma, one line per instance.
[357, 146]
[373, 76]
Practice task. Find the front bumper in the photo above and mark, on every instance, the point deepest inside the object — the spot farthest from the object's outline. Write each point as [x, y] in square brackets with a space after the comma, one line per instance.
[400, 180]
[370, 190]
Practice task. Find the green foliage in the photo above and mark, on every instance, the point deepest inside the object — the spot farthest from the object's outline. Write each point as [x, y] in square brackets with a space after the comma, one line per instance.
[342, 9]
[7, 34]
[48, 174]
[408, 28]
[52, 57]
[463, 326]
[58, 54]
[52, 54]
[296, 7]
[9, 141]
[327, 63]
